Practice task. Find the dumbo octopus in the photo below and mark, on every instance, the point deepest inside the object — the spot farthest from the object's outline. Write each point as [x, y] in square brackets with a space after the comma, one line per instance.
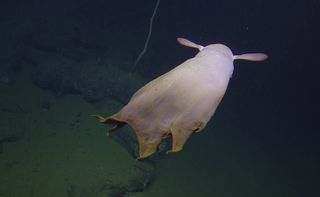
[181, 101]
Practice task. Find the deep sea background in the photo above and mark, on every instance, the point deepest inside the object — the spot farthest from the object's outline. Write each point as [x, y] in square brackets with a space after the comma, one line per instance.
[63, 60]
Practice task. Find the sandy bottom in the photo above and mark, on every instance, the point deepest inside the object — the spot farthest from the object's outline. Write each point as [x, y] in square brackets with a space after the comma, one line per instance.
[58, 149]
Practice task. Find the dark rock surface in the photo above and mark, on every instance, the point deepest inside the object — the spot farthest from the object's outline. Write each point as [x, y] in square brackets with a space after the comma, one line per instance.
[141, 176]
[95, 78]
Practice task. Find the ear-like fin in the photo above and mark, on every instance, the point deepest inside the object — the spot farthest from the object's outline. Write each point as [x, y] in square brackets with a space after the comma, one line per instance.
[251, 57]
[188, 43]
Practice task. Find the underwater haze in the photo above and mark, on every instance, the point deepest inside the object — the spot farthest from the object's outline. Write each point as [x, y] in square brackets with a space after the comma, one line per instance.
[62, 61]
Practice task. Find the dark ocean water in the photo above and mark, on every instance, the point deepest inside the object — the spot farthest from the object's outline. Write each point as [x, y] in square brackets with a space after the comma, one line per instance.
[61, 61]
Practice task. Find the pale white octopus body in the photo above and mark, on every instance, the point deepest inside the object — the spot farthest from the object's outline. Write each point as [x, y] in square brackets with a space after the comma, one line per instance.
[181, 101]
